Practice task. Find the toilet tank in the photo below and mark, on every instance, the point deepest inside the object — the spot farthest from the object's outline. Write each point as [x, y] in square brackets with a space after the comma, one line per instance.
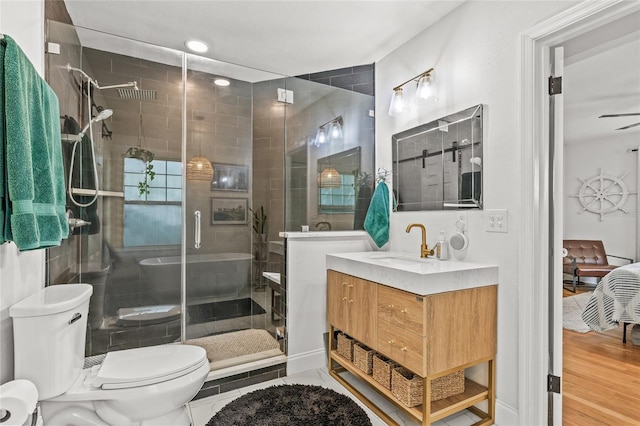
[49, 331]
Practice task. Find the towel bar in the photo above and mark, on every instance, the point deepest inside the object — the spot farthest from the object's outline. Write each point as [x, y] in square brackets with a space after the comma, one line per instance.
[92, 192]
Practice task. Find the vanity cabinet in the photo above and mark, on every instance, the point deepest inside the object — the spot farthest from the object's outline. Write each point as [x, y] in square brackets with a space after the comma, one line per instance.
[432, 335]
[351, 306]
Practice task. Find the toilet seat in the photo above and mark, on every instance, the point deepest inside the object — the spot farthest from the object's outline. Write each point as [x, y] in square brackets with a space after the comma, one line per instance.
[145, 366]
[168, 367]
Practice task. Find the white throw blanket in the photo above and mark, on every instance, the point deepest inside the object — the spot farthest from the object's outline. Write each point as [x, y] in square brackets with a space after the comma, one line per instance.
[615, 299]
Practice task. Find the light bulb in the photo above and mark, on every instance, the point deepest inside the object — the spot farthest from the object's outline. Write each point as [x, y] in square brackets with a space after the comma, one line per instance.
[335, 131]
[321, 137]
[398, 105]
[426, 92]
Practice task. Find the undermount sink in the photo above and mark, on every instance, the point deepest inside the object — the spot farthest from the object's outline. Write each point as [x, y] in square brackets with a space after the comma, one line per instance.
[403, 261]
[413, 273]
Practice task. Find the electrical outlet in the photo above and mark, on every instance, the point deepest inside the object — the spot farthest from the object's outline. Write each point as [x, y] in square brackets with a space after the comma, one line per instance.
[496, 220]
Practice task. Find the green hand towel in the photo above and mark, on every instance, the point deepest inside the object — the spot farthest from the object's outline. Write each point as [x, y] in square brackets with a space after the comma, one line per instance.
[33, 156]
[377, 221]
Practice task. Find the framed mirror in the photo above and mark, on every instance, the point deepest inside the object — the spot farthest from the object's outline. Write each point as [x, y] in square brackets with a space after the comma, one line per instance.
[438, 165]
[337, 176]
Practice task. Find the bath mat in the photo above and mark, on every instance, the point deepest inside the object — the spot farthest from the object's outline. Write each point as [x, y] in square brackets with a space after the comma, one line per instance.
[286, 405]
[217, 311]
[572, 308]
[225, 350]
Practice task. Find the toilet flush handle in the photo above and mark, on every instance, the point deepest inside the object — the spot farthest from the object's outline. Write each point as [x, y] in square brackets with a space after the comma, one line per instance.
[75, 317]
[197, 230]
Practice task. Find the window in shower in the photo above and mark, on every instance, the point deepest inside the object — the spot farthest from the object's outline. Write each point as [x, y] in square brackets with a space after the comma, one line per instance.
[152, 218]
[340, 198]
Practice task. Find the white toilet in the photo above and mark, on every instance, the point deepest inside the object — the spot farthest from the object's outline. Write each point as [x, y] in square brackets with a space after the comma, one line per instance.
[143, 387]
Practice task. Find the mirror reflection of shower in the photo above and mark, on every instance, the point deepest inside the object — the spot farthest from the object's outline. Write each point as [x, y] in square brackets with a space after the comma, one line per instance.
[102, 115]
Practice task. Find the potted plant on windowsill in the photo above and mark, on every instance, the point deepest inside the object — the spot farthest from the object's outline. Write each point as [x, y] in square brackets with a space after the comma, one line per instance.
[259, 226]
[146, 157]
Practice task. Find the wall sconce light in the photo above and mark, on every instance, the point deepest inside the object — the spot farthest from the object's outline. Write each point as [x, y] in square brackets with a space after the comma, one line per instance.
[334, 131]
[425, 93]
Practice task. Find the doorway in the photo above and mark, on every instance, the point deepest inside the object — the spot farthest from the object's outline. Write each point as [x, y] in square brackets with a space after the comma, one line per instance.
[536, 299]
[598, 157]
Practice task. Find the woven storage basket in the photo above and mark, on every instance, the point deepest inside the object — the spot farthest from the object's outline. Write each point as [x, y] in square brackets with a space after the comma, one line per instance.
[446, 386]
[407, 387]
[382, 368]
[345, 346]
[363, 358]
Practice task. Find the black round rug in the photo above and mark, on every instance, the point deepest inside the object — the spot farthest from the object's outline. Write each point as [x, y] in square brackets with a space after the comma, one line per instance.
[291, 405]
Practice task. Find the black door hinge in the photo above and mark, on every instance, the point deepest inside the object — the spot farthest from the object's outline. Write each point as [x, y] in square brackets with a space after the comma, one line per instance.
[553, 383]
[555, 85]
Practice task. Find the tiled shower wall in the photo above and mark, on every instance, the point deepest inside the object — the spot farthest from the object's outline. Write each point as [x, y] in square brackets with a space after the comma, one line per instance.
[357, 79]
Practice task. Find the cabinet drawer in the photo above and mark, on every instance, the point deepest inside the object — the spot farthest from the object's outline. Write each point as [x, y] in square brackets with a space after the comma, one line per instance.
[402, 309]
[402, 346]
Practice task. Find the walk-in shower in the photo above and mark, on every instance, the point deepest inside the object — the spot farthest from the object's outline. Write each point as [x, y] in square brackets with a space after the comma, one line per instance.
[153, 283]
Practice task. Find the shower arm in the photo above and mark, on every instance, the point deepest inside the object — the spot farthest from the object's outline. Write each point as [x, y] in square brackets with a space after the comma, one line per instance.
[95, 84]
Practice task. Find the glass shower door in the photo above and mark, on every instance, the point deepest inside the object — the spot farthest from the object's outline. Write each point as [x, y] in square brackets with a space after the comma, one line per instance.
[227, 301]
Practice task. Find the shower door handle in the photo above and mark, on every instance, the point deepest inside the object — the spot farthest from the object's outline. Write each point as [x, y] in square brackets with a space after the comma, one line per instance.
[197, 229]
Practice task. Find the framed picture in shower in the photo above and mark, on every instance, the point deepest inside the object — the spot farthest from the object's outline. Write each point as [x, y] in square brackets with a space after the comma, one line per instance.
[230, 177]
[229, 211]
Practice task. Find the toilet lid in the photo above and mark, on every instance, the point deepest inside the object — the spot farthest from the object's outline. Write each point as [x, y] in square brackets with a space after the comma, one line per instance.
[146, 366]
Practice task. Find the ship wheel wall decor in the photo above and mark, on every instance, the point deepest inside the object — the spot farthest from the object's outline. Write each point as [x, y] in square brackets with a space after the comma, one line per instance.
[603, 194]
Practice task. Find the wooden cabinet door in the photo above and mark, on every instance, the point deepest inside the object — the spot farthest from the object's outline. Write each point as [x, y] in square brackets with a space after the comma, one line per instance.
[362, 305]
[337, 300]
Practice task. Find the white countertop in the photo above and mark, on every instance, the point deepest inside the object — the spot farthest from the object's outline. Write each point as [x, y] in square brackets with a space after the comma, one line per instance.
[322, 234]
[413, 274]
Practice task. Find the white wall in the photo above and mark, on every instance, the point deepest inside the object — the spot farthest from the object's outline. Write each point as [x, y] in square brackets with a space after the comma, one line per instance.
[21, 274]
[616, 230]
[475, 53]
[592, 145]
[307, 292]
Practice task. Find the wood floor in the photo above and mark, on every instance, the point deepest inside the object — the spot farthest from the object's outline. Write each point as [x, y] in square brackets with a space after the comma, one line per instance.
[600, 379]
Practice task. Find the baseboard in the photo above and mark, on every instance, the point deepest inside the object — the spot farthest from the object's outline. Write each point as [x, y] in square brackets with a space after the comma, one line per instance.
[506, 415]
[306, 361]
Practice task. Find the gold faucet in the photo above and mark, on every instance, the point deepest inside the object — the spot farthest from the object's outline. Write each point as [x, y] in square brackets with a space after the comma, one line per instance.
[424, 249]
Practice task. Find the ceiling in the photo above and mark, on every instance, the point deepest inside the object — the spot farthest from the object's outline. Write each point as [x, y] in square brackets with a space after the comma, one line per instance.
[285, 37]
[299, 37]
[601, 77]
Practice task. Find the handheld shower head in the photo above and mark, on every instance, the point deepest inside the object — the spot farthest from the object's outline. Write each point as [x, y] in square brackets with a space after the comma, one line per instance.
[105, 113]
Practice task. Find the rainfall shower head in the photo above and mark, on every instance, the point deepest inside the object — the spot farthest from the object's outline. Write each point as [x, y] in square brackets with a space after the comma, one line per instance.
[137, 94]
[105, 113]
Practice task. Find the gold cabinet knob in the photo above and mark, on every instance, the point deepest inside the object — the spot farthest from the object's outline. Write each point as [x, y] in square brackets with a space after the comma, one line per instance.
[351, 301]
[390, 306]
[404, 311]
[350, 285]
[344, 298]
[404, 348]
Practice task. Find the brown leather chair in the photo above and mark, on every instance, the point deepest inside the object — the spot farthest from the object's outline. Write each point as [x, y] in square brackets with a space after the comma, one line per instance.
[586, 258]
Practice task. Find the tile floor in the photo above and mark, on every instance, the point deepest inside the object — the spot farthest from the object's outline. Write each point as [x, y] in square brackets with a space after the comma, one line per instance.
[203, 409]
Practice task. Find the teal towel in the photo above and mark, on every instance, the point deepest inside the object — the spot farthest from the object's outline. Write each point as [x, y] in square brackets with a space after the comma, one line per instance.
[33, 155]
[3, 195]
[376, 223]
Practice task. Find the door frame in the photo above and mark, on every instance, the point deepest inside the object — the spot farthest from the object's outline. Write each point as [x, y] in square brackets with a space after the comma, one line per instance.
[533, 298]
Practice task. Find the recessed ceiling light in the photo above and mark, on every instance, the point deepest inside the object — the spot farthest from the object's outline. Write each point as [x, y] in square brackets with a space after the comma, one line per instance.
[221, 82]
[196, 46]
